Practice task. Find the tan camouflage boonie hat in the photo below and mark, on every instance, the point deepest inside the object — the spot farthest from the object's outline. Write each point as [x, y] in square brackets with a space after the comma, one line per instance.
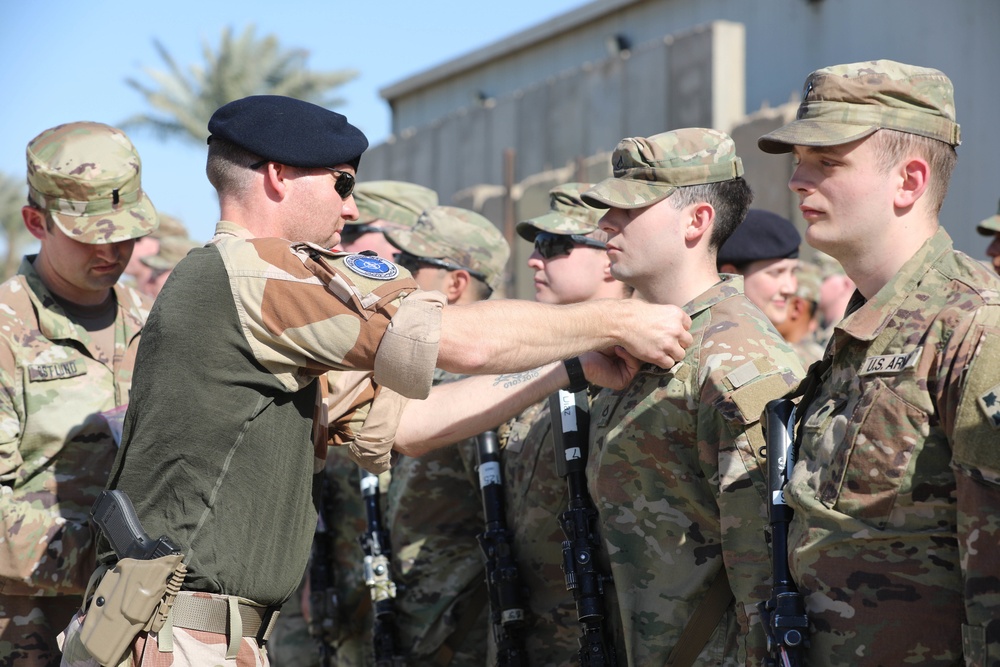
[990, 225]
[399, 204]
[568, 214]
[169, 226]
[87, 177]
[461, 237]
[810, 279]
[649, 170]
[846, 103]
[172, 250]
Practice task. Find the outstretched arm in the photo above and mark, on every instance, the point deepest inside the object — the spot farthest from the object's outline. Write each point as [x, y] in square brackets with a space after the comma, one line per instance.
[510, 336]
[458, 410]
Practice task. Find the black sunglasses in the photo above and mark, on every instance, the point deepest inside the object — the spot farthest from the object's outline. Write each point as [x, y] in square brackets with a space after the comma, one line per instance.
[551, 245]
[343, 180]
[412, 264]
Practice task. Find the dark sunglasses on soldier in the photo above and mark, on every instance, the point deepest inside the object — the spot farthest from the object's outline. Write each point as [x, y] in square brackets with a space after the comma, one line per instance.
[412, 264]
[343, 180]
[551, 245]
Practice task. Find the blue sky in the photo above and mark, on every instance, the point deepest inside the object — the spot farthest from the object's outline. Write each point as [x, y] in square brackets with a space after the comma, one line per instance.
[67, 61]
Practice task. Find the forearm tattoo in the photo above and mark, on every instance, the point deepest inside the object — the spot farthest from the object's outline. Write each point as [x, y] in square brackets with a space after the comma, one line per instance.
[511, 380]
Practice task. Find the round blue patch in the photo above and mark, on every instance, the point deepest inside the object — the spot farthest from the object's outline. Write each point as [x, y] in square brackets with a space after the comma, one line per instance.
[371, 267]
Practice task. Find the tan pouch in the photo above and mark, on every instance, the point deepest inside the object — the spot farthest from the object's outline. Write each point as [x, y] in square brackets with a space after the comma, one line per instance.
[127, 601]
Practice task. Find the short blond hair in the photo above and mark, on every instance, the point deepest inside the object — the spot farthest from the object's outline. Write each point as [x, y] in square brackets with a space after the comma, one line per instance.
[892, 147]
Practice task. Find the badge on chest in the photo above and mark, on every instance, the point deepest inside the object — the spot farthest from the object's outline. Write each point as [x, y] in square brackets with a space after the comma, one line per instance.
[61, 371]
[887, 364]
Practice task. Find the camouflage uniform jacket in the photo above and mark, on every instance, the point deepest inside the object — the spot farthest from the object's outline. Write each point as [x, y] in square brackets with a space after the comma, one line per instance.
[896, 491]
[434, 514]
[535, 496]
[677, 476]
[56, 447]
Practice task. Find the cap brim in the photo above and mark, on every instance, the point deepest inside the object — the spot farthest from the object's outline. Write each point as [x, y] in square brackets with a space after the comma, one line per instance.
[626, 193]
[135, 222]
[989, 226]
[807, 132]
[553, 222]
[406, 241]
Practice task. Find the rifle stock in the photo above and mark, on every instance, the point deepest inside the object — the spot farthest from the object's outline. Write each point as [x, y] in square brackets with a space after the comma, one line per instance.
[378, 577]
[783, 615]
[570, 430]
[502, 579]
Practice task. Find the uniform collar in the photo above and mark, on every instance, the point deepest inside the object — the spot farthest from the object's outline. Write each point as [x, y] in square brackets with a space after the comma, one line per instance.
[867, 319]
[53, 322]
[729, 285]
[228, 229]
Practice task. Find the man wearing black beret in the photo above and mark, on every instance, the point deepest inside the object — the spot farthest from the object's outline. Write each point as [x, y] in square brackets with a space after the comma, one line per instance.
[764, 249]
[228, 426]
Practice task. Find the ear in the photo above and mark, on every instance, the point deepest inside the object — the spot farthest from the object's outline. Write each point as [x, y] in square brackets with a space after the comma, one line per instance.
[274, 179]
[728, 268]
[456, 284]
[34, 220]
[699, 222]
[914, 175]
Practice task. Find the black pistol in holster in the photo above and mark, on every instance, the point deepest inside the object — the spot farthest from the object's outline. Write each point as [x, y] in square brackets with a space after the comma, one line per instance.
[378, 579]
[137, 593]
[503, 582]
[570, 414]
[324, 608]
[783, 615]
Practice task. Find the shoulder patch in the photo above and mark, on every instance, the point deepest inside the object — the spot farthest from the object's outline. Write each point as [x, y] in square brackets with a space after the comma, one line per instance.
[371, 267]
[989, 402]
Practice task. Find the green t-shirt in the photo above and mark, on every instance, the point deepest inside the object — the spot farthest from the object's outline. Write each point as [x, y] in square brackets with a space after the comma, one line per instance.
[216, 453]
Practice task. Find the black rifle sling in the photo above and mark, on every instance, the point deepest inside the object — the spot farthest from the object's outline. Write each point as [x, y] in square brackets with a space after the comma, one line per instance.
[703, 622]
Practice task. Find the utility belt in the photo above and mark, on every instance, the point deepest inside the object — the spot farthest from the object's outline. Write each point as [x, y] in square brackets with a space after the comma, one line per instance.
[141, 592]
[143, 596]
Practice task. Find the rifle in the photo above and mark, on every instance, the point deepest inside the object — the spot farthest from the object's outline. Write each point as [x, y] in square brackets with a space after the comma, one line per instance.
[570, 414]
[375, 544]
[502, 578]
[323, 600]
[783, 615]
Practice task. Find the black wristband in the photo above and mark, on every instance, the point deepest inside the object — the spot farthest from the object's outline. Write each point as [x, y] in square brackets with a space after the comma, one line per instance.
[577, 380]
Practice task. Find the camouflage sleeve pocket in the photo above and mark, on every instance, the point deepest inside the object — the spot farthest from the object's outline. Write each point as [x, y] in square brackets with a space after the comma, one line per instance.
[976, 438]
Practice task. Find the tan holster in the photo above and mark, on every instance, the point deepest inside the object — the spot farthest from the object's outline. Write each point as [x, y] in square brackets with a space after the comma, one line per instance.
[133, 596]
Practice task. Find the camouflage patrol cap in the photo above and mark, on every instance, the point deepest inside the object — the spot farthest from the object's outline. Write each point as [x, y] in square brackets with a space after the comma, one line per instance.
[845, 103]
[459, 236]
[397, 203]
[172, 250]
[87, 177]
[568, 214]
[990, 225]
[650, 170]
[809, 280]
[828, 266]
[169, 226]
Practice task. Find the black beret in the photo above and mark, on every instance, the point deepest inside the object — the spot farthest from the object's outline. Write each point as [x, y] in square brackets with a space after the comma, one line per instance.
[761, 235]
[289, 131]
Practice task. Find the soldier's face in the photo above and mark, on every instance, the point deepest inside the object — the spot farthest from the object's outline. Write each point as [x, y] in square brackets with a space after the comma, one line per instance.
[643, 243]
[769, 284]
[993, 252]
[80, 272]
[846, 200]
[573, 278]
[317, 213]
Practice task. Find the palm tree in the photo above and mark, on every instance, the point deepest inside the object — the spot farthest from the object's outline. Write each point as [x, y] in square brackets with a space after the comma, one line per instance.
[242, 66]
[13, 195]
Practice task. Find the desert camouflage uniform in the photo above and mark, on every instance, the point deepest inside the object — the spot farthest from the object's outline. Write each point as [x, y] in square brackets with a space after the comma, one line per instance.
[896, 496]
[285, 313]
[677, 475]
[56, 449]
[434, 514]
[535, 496]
